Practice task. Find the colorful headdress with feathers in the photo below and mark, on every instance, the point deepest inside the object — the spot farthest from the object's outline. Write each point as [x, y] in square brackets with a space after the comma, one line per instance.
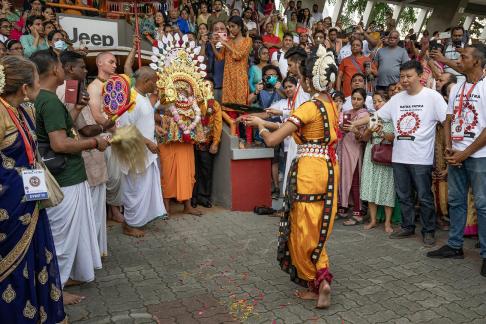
[179, 65]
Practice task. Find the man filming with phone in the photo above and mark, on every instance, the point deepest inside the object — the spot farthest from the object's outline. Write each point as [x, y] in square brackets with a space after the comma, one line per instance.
[451, 55]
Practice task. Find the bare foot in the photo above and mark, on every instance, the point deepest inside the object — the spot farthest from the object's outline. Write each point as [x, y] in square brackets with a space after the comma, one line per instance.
[306, 294]
[388, 228]
[324, 300]
[71, 299]
[116, 215]
[192, 211]
[132, 231]
[72, 282]
[370, 225]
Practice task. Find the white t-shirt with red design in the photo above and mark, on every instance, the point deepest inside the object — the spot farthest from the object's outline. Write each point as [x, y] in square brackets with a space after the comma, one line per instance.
[414, 119]
[473, 113]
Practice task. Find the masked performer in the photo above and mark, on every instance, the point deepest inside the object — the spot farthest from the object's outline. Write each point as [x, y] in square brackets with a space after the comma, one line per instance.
[182, 90]
[311, 198]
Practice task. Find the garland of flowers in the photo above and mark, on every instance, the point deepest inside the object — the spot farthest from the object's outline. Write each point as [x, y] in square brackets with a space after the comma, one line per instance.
[186, 129]
[2, 79]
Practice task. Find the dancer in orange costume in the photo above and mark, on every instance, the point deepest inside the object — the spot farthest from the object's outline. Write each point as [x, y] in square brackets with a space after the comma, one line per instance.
[311, 197]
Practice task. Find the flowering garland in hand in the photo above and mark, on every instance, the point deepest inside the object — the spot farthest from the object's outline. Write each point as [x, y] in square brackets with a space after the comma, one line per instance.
[182, 87]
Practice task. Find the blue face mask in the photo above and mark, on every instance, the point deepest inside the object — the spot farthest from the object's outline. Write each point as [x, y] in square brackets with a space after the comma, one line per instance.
[272, 80]
[60, 45]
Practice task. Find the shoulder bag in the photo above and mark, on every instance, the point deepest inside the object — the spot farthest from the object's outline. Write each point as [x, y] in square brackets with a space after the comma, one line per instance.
[55, 195]
[381, 153]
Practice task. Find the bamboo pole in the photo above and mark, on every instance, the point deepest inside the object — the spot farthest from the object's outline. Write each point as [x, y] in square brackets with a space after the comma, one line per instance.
[137, 32]
[65, 6]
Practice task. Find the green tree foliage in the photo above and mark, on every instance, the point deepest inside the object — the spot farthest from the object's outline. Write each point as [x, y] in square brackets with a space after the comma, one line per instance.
[355, 9]
[379, 12]
[476, 27]
[407, 19]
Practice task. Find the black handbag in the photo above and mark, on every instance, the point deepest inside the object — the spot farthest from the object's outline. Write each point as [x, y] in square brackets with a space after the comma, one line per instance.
[55, 162]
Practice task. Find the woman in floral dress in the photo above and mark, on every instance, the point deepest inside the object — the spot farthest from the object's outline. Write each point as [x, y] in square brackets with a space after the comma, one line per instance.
[377, 185]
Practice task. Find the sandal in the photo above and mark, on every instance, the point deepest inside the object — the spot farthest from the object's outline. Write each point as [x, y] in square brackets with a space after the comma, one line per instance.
[278, 213]
[356, 219]
[263, 210]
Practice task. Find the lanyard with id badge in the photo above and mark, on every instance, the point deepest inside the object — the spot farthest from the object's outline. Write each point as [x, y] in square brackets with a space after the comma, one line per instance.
[34, 180]
[458, 126]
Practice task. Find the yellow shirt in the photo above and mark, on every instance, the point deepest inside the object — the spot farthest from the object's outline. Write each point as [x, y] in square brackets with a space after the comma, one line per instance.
[215, 123]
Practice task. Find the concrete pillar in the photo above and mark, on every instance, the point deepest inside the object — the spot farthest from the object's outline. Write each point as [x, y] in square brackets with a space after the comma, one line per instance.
[396, 11]
[367, 12]
[338, 8]
[468, 22]
[420, 20]
[446, 14]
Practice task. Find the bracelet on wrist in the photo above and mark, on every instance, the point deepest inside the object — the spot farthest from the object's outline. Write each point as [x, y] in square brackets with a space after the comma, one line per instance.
[262, 131]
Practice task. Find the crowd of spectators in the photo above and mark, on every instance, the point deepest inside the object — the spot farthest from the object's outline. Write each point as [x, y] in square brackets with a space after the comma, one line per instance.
[254, 53]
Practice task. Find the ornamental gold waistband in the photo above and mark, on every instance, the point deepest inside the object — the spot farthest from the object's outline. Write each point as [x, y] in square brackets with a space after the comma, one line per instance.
[313, 150]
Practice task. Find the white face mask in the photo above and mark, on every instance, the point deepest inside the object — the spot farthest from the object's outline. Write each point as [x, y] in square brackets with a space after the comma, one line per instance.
[60, 45]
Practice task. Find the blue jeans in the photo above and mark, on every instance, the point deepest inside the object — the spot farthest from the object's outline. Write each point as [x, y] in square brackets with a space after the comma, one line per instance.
[472, 173]
[408, 176]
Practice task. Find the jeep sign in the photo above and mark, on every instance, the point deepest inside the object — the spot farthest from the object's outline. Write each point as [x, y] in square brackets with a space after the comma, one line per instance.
[93, 32]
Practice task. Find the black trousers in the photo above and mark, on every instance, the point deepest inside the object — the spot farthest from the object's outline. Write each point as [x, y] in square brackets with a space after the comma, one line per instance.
[204, 176]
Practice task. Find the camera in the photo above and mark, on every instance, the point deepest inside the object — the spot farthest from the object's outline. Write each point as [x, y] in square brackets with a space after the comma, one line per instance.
[434, 45]
[457, 43]
[373, 121]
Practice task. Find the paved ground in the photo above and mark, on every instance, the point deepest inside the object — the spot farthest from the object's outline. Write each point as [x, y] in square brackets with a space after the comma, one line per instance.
[221, 268]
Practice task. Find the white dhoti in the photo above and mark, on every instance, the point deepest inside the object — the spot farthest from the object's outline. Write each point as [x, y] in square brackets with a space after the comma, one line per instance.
[98, 196]
[291, 154]
[142, 196]
[74, 231]
[113, 191]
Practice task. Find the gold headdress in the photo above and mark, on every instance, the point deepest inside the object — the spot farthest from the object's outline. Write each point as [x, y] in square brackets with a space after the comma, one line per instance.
[179, 67]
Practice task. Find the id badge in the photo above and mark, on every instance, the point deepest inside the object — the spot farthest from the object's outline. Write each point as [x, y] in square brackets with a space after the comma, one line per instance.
[34, 184]
[457, 129]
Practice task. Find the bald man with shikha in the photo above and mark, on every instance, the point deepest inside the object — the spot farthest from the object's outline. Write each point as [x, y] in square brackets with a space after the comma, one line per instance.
[141, 191]
[106, 64]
